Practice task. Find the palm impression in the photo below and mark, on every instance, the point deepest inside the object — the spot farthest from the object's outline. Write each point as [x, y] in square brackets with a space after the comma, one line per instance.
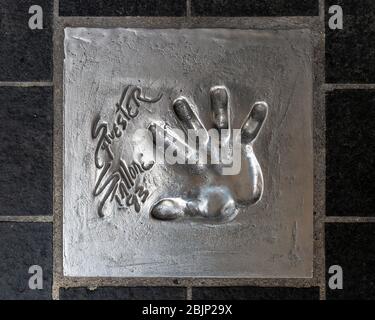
[231, 172]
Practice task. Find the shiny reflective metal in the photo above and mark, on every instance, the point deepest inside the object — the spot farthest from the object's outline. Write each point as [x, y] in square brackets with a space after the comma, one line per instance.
[126, 215]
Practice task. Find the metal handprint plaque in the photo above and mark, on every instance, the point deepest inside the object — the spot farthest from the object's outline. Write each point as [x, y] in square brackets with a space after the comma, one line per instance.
[188, 153]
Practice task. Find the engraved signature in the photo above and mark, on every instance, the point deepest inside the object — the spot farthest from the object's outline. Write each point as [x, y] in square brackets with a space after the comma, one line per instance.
[121, 181]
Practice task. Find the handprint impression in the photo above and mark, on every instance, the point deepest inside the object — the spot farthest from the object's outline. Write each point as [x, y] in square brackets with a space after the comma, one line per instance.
[220, 196]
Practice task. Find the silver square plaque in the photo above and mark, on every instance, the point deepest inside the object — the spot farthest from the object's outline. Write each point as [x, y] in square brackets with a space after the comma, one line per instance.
[139, 201]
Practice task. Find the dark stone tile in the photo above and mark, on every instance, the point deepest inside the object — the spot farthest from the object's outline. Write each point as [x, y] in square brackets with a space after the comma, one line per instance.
[238, 8]
[124, 293]
[351, 246]
[122, 8]
[26, 151]
[350, 52]
[350, 160]
[26, 55]
[254, 293]
[22, 246]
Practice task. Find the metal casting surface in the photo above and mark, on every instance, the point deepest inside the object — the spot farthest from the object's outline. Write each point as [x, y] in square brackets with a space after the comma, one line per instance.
[128, 214]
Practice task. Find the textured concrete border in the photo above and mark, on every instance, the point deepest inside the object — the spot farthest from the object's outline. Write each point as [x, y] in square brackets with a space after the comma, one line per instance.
[315, 24]
[319, 128]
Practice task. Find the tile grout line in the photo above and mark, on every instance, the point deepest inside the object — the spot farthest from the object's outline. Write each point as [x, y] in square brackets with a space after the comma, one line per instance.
[56, 134]
[26, 84]
[189, 293]
[348, 86]
[188, 8]
[349, 219]
[32, 219]
[322, 13]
